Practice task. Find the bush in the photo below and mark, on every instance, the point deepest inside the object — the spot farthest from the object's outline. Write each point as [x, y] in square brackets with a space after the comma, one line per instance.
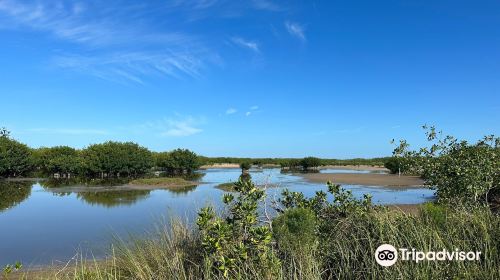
[15, 158]
[245, 166]
[60, 159]
[295, 231]
[310, 162]
[395, 165]
[117, 159]
[178, 161]
[460, 172]
[238, 244]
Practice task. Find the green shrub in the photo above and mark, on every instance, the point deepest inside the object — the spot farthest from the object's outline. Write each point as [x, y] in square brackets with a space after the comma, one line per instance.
[245, 166]
[295, 231]
[460, 172]
[238, 243]
[15, 158]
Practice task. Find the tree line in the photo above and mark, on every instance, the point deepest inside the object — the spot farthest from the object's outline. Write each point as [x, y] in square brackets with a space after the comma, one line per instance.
[127, 159]
[380, 161]
[104, 160]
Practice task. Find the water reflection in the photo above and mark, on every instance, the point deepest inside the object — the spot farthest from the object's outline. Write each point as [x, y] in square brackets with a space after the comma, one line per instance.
[59, 183]
[13, 192]
[113, 198]
[107, 192]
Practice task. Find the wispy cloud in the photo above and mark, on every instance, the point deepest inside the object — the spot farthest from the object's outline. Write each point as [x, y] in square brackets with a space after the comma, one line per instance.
[179, 126]
[252, 109]
[254, 46]
[296, 30]
[68, 131]
[113, 48]
[131, 66]
[231, 111]
[266, 5]
[181, 129]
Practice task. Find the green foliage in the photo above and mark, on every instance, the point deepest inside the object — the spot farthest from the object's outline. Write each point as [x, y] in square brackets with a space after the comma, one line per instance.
[230, 243]
[292, 164]
[245, 166]
[117, 159]
[178, 161]
[459, 171]
[343, 204]
[15, 158]
[347, 251]
[295, 231]
[304, 164]
[396, 165]
[435, 213]
[310, 162]
[286, 162]
[60, 159]
[9, 268]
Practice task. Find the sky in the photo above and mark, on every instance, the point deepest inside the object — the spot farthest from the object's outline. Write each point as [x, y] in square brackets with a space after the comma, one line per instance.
[254, 78]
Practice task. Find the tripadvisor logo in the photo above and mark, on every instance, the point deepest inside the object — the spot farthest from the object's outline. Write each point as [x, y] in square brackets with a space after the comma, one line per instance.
[387, 255]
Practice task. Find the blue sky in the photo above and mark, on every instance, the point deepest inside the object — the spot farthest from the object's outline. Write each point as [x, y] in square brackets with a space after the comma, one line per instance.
[249, 78]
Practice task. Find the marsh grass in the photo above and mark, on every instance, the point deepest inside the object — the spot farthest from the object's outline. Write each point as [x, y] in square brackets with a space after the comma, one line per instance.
[346, 252]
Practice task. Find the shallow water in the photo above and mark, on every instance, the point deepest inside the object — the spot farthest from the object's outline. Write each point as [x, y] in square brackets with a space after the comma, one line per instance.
[39, 226]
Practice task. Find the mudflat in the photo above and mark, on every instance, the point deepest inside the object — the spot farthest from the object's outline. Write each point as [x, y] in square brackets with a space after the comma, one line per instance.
[355, 167]
[388, 180]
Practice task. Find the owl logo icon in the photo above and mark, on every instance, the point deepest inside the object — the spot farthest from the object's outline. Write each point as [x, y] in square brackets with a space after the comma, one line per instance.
[386, 255]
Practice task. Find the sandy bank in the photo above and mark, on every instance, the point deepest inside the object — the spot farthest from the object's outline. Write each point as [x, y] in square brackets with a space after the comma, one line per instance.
[355, 167]
[220, 165]
[387, 180]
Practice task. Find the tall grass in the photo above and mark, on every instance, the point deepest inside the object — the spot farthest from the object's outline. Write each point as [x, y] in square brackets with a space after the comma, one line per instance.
[349, 250]
[346, 251]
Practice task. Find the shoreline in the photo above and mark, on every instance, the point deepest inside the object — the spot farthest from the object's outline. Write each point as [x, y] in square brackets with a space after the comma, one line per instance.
[386, 180]
[355, 167]
[341, 167]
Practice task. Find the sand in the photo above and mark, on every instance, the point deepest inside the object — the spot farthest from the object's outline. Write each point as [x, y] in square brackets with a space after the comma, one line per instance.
[355, 167]
[387, 180]
[220, 165]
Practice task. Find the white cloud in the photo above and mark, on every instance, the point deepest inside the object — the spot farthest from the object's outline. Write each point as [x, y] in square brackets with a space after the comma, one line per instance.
[296, 30]
[248, 113]
[255, 107]
[246, 44]
[181, 130]
[181, 127]
[110, 42]
[266, 5]
[231, 111]
[131, 66]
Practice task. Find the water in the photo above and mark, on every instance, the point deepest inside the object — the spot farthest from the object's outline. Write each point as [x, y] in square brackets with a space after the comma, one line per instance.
[41, 226]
